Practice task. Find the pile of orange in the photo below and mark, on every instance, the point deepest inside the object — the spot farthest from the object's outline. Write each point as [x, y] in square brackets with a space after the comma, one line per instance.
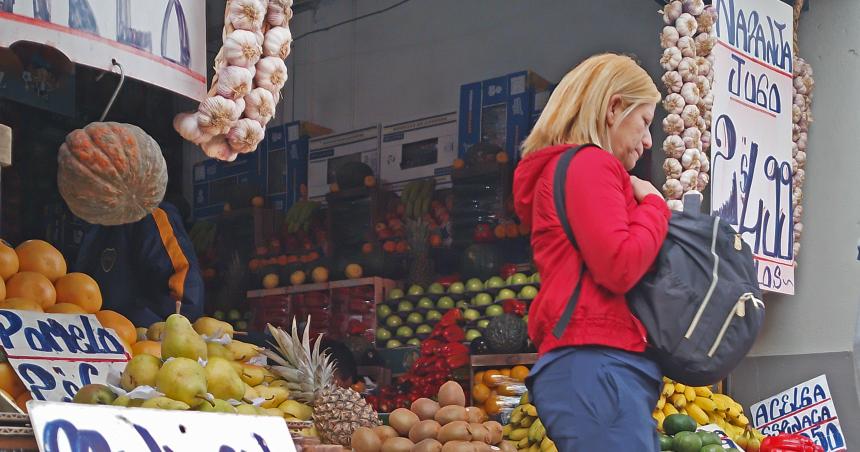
[494, 389]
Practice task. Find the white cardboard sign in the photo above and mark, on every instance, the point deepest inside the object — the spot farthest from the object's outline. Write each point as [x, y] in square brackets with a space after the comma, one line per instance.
[806, 409]
[69, 427]
[57, 354]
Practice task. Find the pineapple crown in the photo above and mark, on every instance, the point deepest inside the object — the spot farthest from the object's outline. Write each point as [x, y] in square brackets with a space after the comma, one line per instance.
[307, 369]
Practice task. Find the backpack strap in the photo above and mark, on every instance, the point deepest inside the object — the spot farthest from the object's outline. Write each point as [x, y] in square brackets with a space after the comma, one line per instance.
[559, 196]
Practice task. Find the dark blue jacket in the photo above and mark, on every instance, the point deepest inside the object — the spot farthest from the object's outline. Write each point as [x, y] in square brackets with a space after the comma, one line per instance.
[143, 268]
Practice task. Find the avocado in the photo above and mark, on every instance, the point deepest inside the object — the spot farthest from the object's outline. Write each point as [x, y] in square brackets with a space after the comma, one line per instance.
[708, 438]
[675, 423]
[665, 442]
[712, 448]
[686, 443]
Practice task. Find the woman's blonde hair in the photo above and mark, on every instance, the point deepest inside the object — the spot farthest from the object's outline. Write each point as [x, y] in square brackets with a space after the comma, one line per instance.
[576, 111]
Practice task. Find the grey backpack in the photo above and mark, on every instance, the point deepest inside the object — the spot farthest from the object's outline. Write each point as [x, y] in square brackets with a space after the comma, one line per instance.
[700, 303]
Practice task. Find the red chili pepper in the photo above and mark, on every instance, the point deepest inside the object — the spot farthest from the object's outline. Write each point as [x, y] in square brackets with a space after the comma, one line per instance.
[454, 334]
[515, 307]
[789, 443]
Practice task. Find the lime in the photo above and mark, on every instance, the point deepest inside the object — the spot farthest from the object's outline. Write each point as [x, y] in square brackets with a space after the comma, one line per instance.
[687, 443]
[708, 438]
[665, 442]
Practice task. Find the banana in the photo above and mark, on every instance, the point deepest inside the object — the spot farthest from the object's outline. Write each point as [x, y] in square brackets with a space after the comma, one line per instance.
[733, 413]
[661, 402]
[706, 404]
[517, 415]
[721, 402]
[534, 448]
[537, 432]
[506, 430]
[697, 414]
[703, 391]
[524, 443]
[678, 400]
[659, 416]
[742, 421]
[527, 421]
[680, 388]
[668, 389]
[669, 410]
[530, 409]
[546, 444]
[690, 394]
[519, 434]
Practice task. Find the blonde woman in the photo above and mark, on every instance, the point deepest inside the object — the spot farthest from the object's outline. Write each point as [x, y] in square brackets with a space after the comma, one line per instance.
[593, 384]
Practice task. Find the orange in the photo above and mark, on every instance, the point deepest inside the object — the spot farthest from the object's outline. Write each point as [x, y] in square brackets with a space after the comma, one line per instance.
[41, 257]
[282, 260]
[320, 275]
[491, 406]
[499, 231]
[509, 388]
[502, 157]
[2, 289]
[9, 380]
[334, 188]
[298, 278]
[66, 308]
[480, 393]
[253, 265]
[79, 289]
[389, 246]
[479, 377]
[257, 201]
[520, 373]
[21, 304]
[512, 230]
[492, 378]
[353, 271]
[22, 399]
[523, 229]
[459, 164]
[435, 240]
[369, 181]
[32, 286]
[506, 371]
[402, 247]
[8, 260]
[270, 281]
[117, 322]
[367, 248]
[149, 347]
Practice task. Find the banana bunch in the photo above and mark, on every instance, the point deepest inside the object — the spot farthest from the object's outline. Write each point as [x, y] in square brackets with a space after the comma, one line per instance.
[417, 196]
[299, 216]
[702, 404]
[526, 431]
[202, 235]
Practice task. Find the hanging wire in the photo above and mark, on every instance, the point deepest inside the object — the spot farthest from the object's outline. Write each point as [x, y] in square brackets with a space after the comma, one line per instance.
[114, 63]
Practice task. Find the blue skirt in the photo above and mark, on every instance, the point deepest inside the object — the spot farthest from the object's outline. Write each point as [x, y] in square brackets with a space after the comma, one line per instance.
[597, 399]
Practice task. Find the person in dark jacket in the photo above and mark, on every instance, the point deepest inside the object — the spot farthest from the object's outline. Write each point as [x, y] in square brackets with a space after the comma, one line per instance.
[593, 384]
[143, 268]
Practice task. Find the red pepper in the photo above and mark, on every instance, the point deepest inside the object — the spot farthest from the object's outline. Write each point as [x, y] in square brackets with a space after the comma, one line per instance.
[515, 307]
[508, 270]
[454, 334]
[789, 443]
[456, 355]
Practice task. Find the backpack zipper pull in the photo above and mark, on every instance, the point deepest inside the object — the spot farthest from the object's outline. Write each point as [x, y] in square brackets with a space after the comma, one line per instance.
[738, 242]
[740, 309]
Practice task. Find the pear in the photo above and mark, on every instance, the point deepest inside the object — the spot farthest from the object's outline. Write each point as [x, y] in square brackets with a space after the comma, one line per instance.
[251, 374]
[165, 403]
[213, 328]
[155, 331]
[141, 333]
[126, 401]
[222, 381]
[140, 371]
[279, 384]
[250, 393]
[273, 396]
[216, 349]
[94, 394]
[296, 409]
[182, 379]
[218, 406]
[242, 351]
[273, 412]
[247, 409]
[180, 340]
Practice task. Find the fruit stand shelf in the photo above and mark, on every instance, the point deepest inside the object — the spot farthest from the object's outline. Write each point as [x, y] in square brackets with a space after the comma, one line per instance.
[524, 359]
[320, 286]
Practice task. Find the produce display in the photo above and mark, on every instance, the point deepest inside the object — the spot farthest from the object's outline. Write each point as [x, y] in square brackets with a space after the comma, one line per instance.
[682, 436]
[525, 430]
[499, 391]
[801, 115]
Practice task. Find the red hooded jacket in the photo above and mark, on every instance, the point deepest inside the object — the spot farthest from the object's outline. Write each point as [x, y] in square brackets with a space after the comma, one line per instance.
[618, 238]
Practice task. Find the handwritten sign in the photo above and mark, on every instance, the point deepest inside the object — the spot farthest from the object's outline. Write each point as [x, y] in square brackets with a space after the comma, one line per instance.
[162, 42]
[67, 427]
[57, 354]
[806, 409]
[751, 144]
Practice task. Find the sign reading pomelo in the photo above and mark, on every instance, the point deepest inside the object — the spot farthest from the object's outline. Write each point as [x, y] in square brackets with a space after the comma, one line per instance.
[56, 354]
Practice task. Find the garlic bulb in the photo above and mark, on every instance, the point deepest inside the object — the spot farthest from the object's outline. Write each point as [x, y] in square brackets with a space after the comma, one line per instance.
[706, 140]
[672, 11]
[673, 124]
[694, 7]
[260, 106]
[671, 58]
[692, 133]
[673, 146]
[240, 106]
[799, 100]
[799, 176]
[246, 14]
[233, 82]
[673, 81]
[675, 205]
[706, 20]
[245, 136]
[687, 46]
[796, 113]
[672, 168]
[690, 93]
[277, 42]
[689, 180]
[218, 148]
[690, 159]
[278, 15]
[705, 43]
[703, 84]
[686, 25]
[691, 116]
[673, 189]
[688, 69]
[271, 74]
[702, 180]
[704, 162]
[704, 65]
[674, 103]
[801, 157]
[241, 49]
[186, 125]
[669, 37]
[700, 123]
[216, 115]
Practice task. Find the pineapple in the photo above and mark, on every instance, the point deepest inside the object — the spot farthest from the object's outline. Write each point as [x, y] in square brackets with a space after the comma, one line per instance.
[309, 373]
[417, 234]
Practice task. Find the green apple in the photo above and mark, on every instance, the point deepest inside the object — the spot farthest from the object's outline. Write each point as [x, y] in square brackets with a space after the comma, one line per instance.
[395, 294]
[528, 293]
[457, 288]
[393, 321]
[445, 303]
[233, 315]
[462, 304]
[242, 325]
[483, 323]
[424, 329]
[433, 316]
[218, 315]
[414, 342]
[405, 306]
[526, 319]
[425, 303]
[471, 335]
[436, 288]
[393, 343]
[405, 332]
[415, 318]
[382, 334]
[535, 279]
[383, 311]
[518, 279]
[482, 299]
[474, 285]
[471, 314]
[496, 282]
[494, 310]
[415, 290]
[506, 294]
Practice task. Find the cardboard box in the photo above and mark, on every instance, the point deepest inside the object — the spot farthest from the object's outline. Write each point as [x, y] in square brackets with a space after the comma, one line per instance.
[501, 111]
[417, 149]
[329, 152]
[285, 161]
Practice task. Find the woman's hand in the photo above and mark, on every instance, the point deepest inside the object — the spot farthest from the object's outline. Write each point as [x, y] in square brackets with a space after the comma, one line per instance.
[643, 188]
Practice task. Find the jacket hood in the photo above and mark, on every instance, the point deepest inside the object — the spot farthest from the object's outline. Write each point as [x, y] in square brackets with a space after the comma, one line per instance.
[528, 172]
